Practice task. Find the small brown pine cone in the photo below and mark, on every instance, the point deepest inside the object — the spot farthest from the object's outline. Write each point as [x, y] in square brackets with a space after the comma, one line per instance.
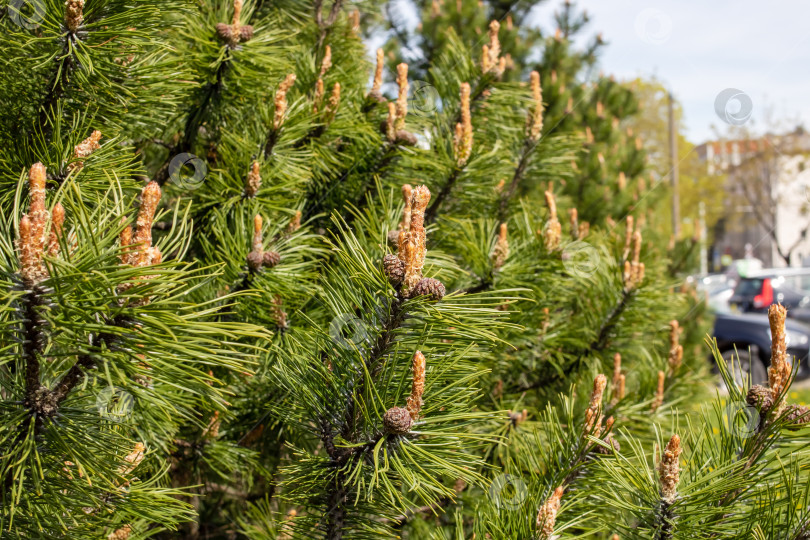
[394, 268]
[430, 287]
[397, 420]
[797, 414]
[375, 95]
[255, 259]
[271, 259]
[760, 397]
[224, 31]
[406, 138]
[246, 33]
[610, 441]
[393, 237]
[44, 402]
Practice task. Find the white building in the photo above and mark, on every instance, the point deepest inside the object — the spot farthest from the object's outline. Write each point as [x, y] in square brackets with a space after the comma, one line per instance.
[767, 210]
[792, 195]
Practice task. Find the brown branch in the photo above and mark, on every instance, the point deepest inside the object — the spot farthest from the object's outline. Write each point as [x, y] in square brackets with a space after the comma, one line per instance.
[664, 516]
[58, 83]
[33, 343]
[525, 153]
[71, 378]
[337, 493]
[336, 514]
[325, 26]
[433, 209]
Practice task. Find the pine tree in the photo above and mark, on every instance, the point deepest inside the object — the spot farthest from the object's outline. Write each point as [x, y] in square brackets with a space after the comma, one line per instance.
[249, 294]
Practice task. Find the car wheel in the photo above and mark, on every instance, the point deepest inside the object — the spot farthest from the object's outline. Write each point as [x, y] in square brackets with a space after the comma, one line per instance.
[746, 367]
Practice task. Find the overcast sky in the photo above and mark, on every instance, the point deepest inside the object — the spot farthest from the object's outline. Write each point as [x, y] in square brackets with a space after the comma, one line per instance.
[698, 48]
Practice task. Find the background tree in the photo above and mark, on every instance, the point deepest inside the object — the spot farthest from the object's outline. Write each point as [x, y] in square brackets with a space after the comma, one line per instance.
[696, 185]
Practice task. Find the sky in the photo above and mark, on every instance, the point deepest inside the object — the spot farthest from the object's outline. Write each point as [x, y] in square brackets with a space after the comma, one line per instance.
[754, 55]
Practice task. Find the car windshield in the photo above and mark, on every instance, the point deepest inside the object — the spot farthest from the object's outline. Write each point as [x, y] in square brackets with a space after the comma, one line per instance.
[749, 287]
[798, 283]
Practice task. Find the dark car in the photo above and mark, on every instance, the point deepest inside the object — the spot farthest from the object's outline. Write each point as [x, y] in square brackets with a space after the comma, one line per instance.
[753, 294]
[750, 333]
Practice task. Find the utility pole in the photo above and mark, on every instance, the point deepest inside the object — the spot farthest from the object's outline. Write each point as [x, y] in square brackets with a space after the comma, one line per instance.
[673, 161]
[704, 262]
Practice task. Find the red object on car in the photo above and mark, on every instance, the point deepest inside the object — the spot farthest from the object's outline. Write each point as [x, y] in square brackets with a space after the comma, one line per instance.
[765, 297]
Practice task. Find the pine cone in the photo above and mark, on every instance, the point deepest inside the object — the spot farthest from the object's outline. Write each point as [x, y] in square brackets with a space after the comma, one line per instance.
[394, 268]
[760, 397]
[611, 442]
[797, 414]
[271, 259]
[255, 260]
[406, 138]
[397, 420]
[44, 402]
[433, 288]
[393, 237]
[246, 33]
[224, 31]
[375, 95]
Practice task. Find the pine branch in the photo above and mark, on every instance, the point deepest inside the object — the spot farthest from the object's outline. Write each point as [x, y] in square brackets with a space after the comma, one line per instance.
[664, 517]
[369, 188]
[32, 344]
[433, 209]
[523, 162]
[612, 321]
[480, 91]
[678, 266]
[73, 376]
[574, 465]
[58, 81]
[336, 514]
[374, 362]
[597, 345]
[84, 361]
[483, 284]
[325, 26]
[196, 118]
[270, 143]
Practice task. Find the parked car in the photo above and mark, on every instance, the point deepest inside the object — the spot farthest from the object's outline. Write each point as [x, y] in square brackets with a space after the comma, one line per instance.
[710, 283]
[718, 300]
[717, 288]
[787, 286]
[750, 335]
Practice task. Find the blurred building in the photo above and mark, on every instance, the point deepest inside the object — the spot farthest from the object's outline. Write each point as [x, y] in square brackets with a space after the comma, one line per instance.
[767, 207]
[719, 156]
